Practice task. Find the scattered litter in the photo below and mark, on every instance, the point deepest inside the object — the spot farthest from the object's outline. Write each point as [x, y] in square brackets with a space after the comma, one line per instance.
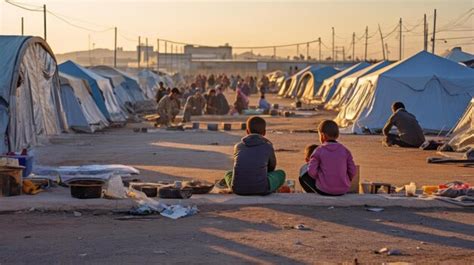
[297, 242]
[114, 188]
[214, 144]
[301, 227]
[32, 209]
[376, 210]
[394, 252]
[160, 252]
[26, 237]
[82, 255]
[77, 214]
[418, 248]
[381, 251]
[378, 220]
[423, 243]
[177, 211]
[79, 238]
[331, 207]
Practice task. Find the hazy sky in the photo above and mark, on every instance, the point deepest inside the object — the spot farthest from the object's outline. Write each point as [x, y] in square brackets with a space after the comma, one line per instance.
[240, 23]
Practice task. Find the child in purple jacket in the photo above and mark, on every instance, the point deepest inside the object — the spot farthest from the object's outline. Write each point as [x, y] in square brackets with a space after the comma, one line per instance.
[331, 167]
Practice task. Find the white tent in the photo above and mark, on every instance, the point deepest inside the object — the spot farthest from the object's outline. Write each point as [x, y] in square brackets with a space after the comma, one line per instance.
[346, 86]
[285, 85]
[463, 134]
[30, 107]
[82, 113]
[101, 90]
[292, 90]
[326, 91]
[149, 82]
[311, 81]
[458, 55]
[434, 89]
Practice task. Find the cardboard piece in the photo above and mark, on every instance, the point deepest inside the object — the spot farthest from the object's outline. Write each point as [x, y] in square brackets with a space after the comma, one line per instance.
[355, 181]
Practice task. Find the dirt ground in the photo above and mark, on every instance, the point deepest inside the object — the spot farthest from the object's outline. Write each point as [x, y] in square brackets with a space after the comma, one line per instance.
[243, 235]
[206, 155]
[239, 234]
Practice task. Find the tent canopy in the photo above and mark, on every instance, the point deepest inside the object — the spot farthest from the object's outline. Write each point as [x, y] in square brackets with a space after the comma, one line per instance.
[29, 93]
[312, 81]
[434, 89]
[101, 89]
[347, 84]
[327, 89]
[82, 113]
[463, 134]
[122, 79]
[458, 55]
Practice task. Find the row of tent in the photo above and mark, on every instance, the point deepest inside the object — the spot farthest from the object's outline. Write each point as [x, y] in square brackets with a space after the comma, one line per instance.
[437, 90]
[39, 98]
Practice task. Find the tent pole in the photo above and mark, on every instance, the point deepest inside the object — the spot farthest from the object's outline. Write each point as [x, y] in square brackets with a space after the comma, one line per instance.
[22, 26]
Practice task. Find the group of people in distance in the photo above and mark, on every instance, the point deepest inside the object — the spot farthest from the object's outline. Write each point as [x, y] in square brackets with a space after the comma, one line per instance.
[205, 95]
[329, 167]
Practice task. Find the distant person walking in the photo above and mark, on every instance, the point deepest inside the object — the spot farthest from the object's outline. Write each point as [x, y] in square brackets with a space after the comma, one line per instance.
[410, 133]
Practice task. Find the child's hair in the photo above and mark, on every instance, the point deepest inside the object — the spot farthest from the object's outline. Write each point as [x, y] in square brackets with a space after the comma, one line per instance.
[262, 95]
[256, 125]
[329, 128]
[309, 149]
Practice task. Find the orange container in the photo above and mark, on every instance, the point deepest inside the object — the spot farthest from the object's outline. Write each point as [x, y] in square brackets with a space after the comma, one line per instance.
[428, 190]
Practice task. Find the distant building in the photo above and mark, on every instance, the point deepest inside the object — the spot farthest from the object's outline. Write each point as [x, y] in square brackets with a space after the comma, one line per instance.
[203, 52]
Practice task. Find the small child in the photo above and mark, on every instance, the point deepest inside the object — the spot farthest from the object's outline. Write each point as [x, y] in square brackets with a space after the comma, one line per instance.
[308, 151]
[330, 167]
[263, 103]
[255, 162]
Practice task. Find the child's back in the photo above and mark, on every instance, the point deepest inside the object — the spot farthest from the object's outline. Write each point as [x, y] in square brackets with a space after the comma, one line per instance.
[333, 168]
[253, 159]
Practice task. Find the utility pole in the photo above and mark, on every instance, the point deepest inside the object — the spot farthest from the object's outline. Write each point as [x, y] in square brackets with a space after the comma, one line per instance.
[157, 54]
[343, 53]
[307, 51]
[146, 53]
[22, 26]
[353, 46]
[115, 48]
[400, 35]
[425, 34]
[319, 40]
[386, 49]
[434, 33]
[366, 41]
[274, 52]
[381, 39]
[44, 20]
[333, 51]
[139, 50]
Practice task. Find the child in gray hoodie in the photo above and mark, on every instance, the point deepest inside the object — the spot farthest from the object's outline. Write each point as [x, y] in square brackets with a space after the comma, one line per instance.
[254, 163]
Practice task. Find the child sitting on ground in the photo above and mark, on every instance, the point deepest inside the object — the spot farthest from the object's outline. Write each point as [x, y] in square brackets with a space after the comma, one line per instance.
[330, 167]
[308, 151]
[254, 163]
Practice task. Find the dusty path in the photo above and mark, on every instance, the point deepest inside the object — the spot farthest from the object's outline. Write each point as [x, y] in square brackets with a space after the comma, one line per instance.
[250, 235]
